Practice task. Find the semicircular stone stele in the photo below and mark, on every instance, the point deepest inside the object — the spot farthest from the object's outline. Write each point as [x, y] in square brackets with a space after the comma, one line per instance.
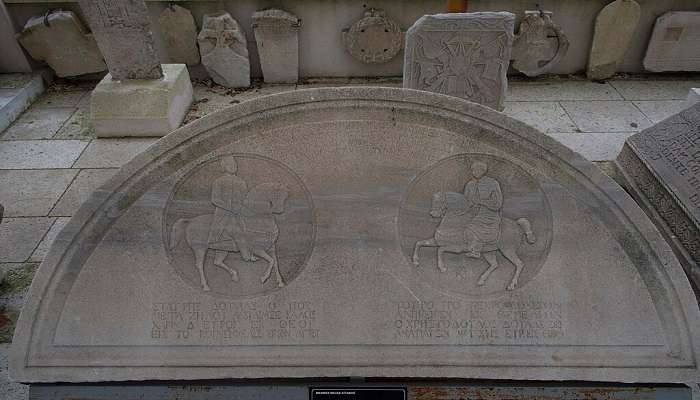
[614, 29]
[358, 232]
[539, 45]
[373, 39]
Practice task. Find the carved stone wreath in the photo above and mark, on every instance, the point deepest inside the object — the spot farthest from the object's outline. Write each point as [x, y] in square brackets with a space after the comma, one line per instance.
[374, 39]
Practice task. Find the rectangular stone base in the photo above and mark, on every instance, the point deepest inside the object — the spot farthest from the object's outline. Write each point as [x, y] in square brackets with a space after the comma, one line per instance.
[142, 107]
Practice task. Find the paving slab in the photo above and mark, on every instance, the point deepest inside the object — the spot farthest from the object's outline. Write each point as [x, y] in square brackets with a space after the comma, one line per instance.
[654, 89]
[37, 154]
[78, 126]
[10, 390]
[659, 110]
[45, 244]
[61, 99]
[32, 193]
[563, 90]
[606, 116]
[38, 123]
[20, 236]
[593, 146]
[112, 153]
[82, 187]
[14, 100]
[547, 116]
[14, 80]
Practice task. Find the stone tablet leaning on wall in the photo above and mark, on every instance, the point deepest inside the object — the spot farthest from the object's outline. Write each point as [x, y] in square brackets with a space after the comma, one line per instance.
[224, 50]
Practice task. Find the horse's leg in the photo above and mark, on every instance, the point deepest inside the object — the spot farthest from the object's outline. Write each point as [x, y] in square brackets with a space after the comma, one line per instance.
[510, 255]
[490, 258]
[422, 243]
[278, 275]
[199, 256]
[219, 258]
[270, 263]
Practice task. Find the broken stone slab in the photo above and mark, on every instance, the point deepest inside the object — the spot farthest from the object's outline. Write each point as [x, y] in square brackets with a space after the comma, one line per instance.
[674, 43]
[693, 96]
[613, 33]
[463, 55]
[224, 50]
[179, 32]
[660, 167]
[144, 107]
[60, 39]
[358, 231]
[123, 32]
[539, 45]
[374, 39]
[277, 37]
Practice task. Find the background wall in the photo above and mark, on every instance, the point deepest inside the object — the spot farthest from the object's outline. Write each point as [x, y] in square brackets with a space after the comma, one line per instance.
[323, 55]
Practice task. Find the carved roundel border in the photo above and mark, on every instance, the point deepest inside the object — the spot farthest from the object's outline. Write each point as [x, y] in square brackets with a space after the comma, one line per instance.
[304, 234]
[462, 273]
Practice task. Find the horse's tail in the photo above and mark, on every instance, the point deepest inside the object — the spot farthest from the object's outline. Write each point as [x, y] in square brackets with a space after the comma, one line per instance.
[177, 231]
[526, 226]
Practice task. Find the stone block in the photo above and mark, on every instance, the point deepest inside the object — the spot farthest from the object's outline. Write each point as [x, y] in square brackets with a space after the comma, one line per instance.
[14, 100]
[539, 45]
[63, 42]
[179, 32]
[277, 36]
[152, 107]
[612, 35]
[674, 43]
[658, 167]
[463, 55]
[693, 96]
[224, 50]
[359, 231]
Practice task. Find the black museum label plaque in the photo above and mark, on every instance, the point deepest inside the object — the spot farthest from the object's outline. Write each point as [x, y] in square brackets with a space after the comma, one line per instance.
[350, 393]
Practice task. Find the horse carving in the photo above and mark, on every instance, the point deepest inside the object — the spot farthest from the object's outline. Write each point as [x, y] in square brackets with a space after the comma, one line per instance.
[453, 209]
[258, 230]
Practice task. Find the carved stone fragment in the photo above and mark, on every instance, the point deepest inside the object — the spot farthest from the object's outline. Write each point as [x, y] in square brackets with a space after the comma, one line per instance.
[462, 55]
[122, 29]
[661, 168]
[224, 50]
[179, 32]
[539, 45]
[675, 43]
[613, 32]
[374, 39]
[277, 37]
[63, 42]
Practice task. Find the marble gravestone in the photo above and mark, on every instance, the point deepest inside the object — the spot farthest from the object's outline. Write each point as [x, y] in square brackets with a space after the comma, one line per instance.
[139, 96]
[63, 42]
[674, 43]
[463, 55]
[358, 231]
[614, 29]
[179, 32]
[224, 50]
[539, 45]
[277, 37]
[661, 168]
[374, 38]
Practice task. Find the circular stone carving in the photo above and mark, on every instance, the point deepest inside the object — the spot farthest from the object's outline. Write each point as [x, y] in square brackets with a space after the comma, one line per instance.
[501, 218]
[245, 219]
[374, 39]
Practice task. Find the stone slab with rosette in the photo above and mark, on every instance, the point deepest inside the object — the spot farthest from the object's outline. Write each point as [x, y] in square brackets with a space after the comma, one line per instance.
[360, 231]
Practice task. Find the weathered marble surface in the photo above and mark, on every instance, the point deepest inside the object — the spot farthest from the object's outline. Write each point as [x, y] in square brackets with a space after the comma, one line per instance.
[123, 32]
[224, 50]
[277, 37]
[675, 43]
[661, 167]
[374, 38]
[463, 55]
[179, 33]
[63, 42]
[341, 184]
[614, 30]
[539, 45]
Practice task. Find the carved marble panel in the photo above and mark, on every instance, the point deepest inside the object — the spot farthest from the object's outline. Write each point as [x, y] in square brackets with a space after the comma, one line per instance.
[358, 232]
[179, 32]
[373, 39]
[674, 43]
[224, 50]
[462, 55]
[277, 39]
[539, 45]
[614, 30]
[123, 32]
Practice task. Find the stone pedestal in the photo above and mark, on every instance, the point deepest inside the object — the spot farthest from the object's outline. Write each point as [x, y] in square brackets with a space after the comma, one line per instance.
[148, 107]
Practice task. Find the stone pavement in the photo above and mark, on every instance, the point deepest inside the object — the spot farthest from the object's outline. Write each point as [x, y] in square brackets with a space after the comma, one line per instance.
[50, 161]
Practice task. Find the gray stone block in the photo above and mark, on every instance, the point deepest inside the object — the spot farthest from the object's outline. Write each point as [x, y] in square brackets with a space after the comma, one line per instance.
[674, 43]
[179, 32]
[614, 29]
[277, 37]
[224, 50]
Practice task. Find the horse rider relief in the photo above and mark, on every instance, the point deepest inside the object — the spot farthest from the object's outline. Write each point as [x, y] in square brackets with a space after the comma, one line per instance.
[484, 193]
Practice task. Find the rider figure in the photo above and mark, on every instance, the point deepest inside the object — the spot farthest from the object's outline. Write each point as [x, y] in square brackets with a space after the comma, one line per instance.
[484, 195]
[228, 193]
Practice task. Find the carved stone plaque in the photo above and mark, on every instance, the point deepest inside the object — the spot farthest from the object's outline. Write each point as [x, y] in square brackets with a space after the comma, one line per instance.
[462, 55]
[224, 50]
[123, 32]
[539, 45]
[674, 43]
[277, 36]
[374, 39]
[615, 28]
[357, 231]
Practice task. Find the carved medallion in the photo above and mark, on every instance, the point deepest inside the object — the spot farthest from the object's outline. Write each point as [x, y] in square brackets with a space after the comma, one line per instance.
[475, 224]
[238, 225]
[539, 45]
[374, 39]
